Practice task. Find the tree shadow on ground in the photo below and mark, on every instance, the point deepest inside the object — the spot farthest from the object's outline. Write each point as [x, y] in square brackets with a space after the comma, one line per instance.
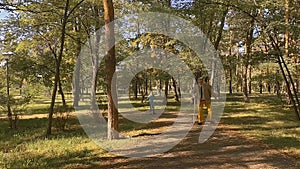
[223, 150]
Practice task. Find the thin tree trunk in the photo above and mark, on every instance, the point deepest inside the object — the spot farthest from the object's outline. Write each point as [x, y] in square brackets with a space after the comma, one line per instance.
[94, 80]
[244, 77]
[61, 92]
[230, 63]
[146, 86]
[166, 90]
[110, 70]
[135, 89]
[287, 32]
[95, 58]
[9, 114]
[230, 81]
[216, 45]
[260, 87]
[247, 55]
[250, 80]
[281, 64]
[175, 90]
[57, 68]
[76, 82]
[287, 38]
[179, 87]
[76, 76]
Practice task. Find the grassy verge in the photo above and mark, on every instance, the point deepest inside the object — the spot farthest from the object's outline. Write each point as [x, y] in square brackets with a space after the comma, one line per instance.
[26, 147]
[265, 119]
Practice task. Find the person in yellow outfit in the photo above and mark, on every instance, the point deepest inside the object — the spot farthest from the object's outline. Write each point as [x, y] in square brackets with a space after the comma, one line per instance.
[204, 100]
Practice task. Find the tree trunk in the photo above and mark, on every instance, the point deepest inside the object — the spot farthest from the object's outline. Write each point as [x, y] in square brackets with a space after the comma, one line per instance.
[238, 67]
[94, 84]
[230, 81]
[287, 36]
[244, 77]
[61, 92]
[57, 68]
[296, 103]
[160, 86]
[283, 66]
[135, 90]
[76, 76]
[9, 114]
[246, 64]
[216, 45]
[250, 80]
[277, 84]
[110, 66]
[175, 90]
[230, 63]
[146, 85]
[76, 82]
[95, 58]
[287, 32]
[166, 90]
[244, 82]
[260, 87]
[179, 87]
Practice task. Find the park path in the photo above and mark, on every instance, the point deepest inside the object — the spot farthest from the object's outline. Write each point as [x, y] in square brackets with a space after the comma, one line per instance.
[227, 148]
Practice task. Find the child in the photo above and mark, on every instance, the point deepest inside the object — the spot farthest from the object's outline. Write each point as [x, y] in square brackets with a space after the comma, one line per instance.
[150, 98]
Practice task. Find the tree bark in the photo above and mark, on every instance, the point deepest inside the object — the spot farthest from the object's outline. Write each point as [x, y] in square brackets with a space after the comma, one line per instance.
[175, 90]
[9, 114]
[230, 63]
[76, 76]
[57, 68]
[135, 90]
[76, 82]
[230, 81]
[250, 80]
[245, 88]
[110, 66]
[61, 92]
[179, 87]
[166, 90]
[95, 57]
[216, 45]
[247, 55]
[283, 66]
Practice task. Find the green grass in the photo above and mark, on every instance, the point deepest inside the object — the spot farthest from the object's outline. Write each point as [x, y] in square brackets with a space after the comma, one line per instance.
[265, 119]
[26, 147]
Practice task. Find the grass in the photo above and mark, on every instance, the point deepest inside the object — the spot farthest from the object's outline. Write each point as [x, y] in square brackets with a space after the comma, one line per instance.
[26, 147]
[265, 119]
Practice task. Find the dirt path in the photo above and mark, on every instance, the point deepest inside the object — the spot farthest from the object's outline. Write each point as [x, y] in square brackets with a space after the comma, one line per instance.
[225, 149]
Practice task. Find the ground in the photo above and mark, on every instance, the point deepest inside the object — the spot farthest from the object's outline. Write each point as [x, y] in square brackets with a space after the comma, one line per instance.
[225, 149]
[256, 135]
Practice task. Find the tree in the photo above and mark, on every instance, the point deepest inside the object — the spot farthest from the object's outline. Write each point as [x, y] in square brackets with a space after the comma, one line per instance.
[58, 59]
[110, 64]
